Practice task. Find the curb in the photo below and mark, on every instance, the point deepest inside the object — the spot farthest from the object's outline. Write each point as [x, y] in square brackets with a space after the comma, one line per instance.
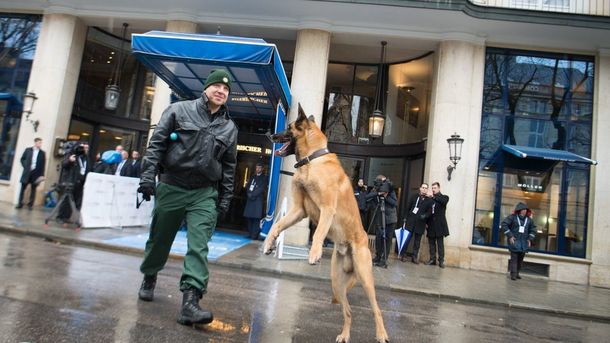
[269, 271]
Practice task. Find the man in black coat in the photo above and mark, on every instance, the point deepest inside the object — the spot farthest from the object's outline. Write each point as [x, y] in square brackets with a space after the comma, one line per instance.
[33, 161]
[76, 166]
[256, 190]
[437, 225]
[419, 208]
[134, 165]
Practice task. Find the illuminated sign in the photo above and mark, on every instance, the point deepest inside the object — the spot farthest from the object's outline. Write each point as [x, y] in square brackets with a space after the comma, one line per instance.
[253, 149]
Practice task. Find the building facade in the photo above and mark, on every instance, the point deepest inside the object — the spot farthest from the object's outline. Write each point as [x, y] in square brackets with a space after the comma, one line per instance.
[497, 73]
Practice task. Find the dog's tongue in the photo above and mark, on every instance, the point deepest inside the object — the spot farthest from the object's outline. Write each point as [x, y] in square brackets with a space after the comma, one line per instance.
[281, 150]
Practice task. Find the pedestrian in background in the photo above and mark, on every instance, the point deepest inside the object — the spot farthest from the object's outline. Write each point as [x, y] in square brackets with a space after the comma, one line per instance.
[122, 168]
[33, 161]
[520, 231]
[419, 208]
[360, 193]
[193, 149]
[437, 225]
[256, 190]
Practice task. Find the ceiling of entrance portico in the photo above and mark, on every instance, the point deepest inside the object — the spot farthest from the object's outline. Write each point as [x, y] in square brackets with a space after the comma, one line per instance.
[409, 31]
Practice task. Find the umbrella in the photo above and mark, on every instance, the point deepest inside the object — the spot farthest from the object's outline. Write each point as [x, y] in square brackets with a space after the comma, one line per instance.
[402, 236]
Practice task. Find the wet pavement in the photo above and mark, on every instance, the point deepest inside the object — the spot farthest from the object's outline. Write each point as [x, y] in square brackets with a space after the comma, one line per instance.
[449, 284]
[50, 292]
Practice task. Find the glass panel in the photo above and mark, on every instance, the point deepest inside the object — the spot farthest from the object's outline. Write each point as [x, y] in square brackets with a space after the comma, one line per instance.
[110, 137]
[80, 131]
[539, 100]
[147, 96]
[353, 167]
[392, 168]
[576, 212]
[408, 103]
[10, 120]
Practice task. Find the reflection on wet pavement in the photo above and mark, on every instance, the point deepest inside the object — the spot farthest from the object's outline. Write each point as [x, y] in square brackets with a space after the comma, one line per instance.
[53, 293]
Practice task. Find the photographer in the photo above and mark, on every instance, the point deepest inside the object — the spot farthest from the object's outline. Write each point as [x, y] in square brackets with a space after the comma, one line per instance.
[382, 199]
[75, 168]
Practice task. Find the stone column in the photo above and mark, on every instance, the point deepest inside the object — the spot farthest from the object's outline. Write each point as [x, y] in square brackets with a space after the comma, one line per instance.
[53, 79]
[162, 91]
[598, 238]
[456, 107]
[308, 86]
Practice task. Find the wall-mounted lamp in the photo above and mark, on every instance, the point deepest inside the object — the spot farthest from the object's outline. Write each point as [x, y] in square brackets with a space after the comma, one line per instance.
[377, 120]
[28, 104]
[455, 152]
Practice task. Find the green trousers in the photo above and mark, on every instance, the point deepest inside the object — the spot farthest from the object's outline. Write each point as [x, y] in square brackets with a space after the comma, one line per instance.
[172, 205]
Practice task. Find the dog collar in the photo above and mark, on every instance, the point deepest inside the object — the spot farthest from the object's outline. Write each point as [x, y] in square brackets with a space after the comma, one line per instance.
[315, 155]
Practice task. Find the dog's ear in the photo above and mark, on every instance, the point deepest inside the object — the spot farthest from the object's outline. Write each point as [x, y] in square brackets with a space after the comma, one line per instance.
[302, 116]
[311, 118]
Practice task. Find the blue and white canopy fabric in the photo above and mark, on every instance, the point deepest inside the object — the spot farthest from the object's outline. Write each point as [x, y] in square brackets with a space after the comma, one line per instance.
[185, 60]
[516, 158]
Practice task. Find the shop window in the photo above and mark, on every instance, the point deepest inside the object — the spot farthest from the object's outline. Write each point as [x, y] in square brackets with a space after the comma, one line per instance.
[17, 47]
[538, 100]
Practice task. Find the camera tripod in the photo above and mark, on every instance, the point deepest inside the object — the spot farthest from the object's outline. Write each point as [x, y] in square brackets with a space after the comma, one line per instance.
[66, 201]
[381, 207]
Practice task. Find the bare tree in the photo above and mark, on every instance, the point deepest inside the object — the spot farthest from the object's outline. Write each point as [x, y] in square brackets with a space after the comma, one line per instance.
[17, 36]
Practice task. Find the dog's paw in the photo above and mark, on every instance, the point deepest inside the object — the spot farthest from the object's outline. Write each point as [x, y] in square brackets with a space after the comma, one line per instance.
[342, 338]
[268, 245]
[382, 338]
[315, 254]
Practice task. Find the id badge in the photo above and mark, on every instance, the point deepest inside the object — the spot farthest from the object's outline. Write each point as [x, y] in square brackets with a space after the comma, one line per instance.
[251, 187]
[521, 229]
[415, 210]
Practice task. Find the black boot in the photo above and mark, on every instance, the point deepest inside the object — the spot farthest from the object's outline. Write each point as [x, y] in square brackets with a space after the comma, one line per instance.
[147, 289]
[191, 312]
[376, 259]
[441, 263]
[431, 262]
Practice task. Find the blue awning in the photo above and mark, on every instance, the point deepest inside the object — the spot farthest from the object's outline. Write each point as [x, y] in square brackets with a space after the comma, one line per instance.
[185, 60]
[534, 161]
[546, 154]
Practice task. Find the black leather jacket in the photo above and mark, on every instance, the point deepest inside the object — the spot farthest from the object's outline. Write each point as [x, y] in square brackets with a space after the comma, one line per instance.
[204, 153]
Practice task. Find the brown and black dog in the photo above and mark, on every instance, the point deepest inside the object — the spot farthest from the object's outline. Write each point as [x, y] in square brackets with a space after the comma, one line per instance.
[322, 191]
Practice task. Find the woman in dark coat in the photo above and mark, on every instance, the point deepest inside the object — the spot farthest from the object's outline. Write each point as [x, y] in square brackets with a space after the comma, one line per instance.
[520, 231]
[255, 194]
[437, 225]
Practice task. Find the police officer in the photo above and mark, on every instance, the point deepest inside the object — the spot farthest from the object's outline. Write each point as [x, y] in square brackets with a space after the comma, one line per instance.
[193, 150]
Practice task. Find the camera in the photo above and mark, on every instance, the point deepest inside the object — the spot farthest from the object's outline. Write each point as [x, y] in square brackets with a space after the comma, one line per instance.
[73, 148]
[382, 186]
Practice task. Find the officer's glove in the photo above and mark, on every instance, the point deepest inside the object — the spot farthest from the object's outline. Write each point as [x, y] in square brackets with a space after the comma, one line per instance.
[147, 189]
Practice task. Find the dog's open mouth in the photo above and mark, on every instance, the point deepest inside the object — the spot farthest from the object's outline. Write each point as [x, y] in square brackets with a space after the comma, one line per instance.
[287, 147]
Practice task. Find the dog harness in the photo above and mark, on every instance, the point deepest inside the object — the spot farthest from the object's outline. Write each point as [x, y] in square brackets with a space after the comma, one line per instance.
[313, 156]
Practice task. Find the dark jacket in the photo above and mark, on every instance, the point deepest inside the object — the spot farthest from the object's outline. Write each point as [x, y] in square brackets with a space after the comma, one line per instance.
[134, 168]
[360, 194]
[26, 161]
[510, 227]
[416, 222]
[437, 224]
[256, 196]
[71, 171]
[391, 202]
[204, 153]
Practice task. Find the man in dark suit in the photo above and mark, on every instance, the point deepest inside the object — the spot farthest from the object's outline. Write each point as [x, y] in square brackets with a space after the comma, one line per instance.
[419, 207]
[122, 169]
[255, 195]
[437, 225]
[33, 161]
[134, 164]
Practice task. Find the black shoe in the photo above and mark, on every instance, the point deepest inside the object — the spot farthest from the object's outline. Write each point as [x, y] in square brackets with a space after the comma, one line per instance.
[376, 259]
[191, 312]
[415, 260]
[381, 264]
[403, 258]
[513, 277]
[441, 264]
[19, 206]
[518, 276]
[30, 207]
[431, 263]
[147, 289]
